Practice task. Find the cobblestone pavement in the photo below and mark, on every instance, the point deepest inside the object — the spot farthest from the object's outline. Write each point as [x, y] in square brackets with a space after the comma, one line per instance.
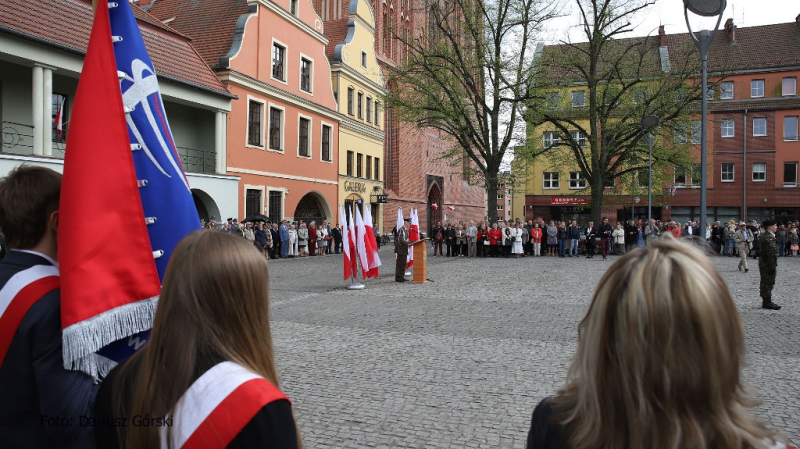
[462, 361]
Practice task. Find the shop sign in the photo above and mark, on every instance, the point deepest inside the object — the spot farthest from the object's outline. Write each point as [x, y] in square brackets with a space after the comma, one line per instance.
[567, 200]
[355, 186]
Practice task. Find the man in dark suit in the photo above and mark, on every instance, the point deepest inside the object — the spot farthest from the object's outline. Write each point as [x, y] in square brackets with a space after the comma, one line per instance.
[41, 403]
[401, 248]
[604, 230]
[336, 235]
[591, 233]
[768, 264]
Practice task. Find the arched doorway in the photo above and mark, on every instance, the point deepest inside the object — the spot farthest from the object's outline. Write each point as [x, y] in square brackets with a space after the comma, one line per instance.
[311, 208]
[434, 197]
[206, 207]
[351, 201]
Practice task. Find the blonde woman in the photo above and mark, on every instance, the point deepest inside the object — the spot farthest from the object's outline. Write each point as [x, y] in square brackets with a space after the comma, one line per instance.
[208, 366]
[658, 363]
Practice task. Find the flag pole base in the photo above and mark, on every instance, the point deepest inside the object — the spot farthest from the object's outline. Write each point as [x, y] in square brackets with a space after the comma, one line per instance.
[408, 273]
[356, 287]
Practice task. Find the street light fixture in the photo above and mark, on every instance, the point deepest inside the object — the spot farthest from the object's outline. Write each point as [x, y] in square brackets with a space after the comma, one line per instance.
[704, 8]
[648, 123]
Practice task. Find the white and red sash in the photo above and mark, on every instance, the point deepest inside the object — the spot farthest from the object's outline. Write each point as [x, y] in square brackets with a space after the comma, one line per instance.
[218, 406]
[17, 297]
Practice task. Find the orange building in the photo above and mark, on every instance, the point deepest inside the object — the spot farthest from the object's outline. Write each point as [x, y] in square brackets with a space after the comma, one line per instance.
[282, 132]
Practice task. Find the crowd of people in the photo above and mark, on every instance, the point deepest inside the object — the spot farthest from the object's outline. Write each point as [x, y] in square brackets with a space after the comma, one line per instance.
[568, 239]
[207, 375]
[287, 239]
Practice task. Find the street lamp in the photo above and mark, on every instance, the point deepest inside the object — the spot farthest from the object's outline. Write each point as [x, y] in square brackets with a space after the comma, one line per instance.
[704, 8]
[649, 122]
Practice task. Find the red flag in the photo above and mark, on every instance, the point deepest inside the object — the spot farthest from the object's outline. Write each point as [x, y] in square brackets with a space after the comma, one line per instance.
[60, 120]
[372, 256]
[413, 235]
[346, 254]
[362, 245]
[109, 284]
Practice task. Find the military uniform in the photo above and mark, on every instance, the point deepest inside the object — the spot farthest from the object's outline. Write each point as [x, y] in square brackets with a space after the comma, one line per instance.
[401, 248]
[768, 267]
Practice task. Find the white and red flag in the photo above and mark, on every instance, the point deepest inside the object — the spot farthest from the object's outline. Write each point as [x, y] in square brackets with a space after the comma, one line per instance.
[451, 207]
[372, 255]
[434, 206]
[351, 234]
[349, 271]
[60, 120]
[362, 245]
[413, 236]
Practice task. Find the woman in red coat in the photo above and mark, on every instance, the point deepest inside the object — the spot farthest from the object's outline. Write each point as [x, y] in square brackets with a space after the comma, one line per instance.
[536, 239]
[312, 238]
[495, 235]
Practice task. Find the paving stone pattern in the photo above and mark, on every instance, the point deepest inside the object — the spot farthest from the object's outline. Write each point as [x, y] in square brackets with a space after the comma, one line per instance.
[462, 361]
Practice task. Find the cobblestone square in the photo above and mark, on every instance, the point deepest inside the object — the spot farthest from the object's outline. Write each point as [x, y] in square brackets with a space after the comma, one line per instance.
[461, 362]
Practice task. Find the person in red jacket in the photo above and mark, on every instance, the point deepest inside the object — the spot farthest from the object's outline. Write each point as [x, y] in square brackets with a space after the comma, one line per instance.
[495, 235]
[536, 239]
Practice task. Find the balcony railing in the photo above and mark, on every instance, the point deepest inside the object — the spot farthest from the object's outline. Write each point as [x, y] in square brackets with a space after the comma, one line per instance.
[17, 138]
[198, 161]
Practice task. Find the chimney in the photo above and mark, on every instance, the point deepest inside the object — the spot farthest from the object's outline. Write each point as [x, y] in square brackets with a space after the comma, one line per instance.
[662, 37]
[730, 30]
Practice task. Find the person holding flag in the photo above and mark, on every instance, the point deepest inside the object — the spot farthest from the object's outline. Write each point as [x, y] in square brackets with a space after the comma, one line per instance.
[401, 247]
[40, 402]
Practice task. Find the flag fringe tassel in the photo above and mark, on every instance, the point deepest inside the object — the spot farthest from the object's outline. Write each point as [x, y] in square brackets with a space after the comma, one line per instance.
[82, 340]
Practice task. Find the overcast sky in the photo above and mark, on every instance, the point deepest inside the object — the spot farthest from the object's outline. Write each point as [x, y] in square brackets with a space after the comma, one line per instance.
[669, 13]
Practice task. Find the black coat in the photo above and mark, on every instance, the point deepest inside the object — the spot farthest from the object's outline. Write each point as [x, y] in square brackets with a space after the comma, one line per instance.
[33, 382]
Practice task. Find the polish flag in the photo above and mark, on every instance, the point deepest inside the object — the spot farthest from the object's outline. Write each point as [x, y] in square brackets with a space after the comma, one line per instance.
[348, 260]
[451, 207]
[434, 206]
[362, 244]
[60, 120]
[372, 254]
[351, 235]
[413, 236]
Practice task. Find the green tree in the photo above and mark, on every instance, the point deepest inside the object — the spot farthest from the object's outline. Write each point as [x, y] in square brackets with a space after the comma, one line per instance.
[468, 75]
[612, 83]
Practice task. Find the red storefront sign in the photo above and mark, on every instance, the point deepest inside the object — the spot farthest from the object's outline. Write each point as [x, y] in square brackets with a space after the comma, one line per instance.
[567, 200]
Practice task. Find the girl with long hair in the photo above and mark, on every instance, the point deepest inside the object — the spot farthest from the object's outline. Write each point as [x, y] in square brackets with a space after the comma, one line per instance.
[207, 373]
[658, 364]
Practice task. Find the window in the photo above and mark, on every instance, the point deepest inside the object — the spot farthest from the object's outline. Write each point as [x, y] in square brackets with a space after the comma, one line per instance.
[305, 75]
[550, 180]
[360, 103]
[364, 59]
[696, 174]
[697, 134]
[578, 99]
[576, 181]
[377, 106]
[579, 138]
[499, 207]
[642, 177]
[293, 7]
[369, 110]
[254, 113]
[790, 174]
[760, 126]
[679, 133]
[727, 172]
[726, 90]
[680, 176]
[759, 171]
[368, 167]
[302, 140]
[710, 93]
[359, 166]
[349, 163]
[757, 88]
[550, 139]
[500, 196]
[610, 183]
[278, 62]
[377, 170]
[789, 86]
[727, 127]
[553, 100]
[252, 202]
[275, 206]
[275, 125]
[350, 92]
[790, 129]
[59, 117]
[326, 143]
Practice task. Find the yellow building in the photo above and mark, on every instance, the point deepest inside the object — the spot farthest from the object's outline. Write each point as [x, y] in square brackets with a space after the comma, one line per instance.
[358, 87]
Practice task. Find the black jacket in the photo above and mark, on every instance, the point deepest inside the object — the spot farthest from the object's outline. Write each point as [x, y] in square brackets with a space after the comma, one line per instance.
[35, 389]
[604, 230]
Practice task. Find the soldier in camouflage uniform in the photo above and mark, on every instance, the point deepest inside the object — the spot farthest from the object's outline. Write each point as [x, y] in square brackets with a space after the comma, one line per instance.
[768, 264]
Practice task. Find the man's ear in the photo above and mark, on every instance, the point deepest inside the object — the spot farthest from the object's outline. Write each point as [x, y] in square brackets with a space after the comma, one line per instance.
[54, 221]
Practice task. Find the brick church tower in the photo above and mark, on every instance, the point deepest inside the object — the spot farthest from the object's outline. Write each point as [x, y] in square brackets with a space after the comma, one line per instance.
[414, 176]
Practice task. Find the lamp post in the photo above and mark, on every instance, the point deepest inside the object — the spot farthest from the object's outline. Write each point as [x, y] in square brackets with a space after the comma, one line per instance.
[649, 122]
[704, 8]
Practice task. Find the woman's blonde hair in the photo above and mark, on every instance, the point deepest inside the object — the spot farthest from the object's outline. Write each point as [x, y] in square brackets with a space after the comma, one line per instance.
[214, 304]
[658, 360]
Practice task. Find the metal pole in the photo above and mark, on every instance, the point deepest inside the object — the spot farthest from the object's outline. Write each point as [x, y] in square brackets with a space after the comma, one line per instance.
[650, 178]
[703, 158]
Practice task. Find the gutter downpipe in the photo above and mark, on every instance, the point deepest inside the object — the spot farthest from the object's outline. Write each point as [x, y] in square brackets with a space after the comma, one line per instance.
[744, 170]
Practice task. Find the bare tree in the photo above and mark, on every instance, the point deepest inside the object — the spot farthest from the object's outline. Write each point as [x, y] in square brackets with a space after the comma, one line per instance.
[468, 75]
